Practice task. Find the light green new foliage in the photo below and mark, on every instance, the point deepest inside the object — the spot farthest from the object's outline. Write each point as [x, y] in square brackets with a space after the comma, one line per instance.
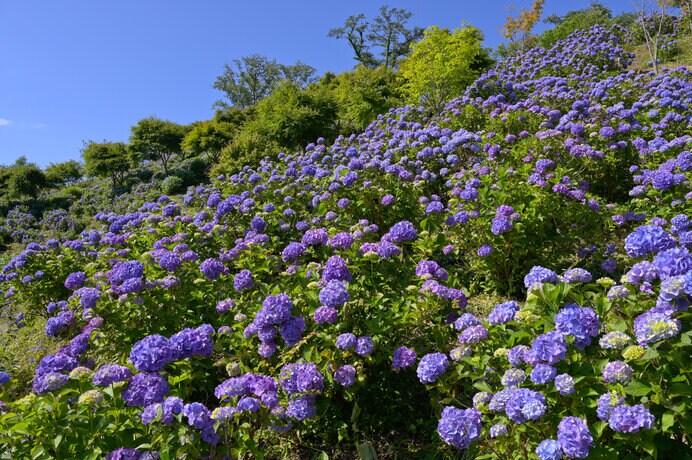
[441, 65]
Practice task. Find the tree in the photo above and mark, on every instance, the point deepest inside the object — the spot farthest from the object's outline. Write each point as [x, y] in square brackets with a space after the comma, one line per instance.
[387, 31]
[106, 159]
[586, 18]
[442, 64]
[26, 180]
[157, 140]
[208, 137]
[66, 173]
[354, 31]
[518, 29]
[651, 16]
[254, 77]
[362, 94]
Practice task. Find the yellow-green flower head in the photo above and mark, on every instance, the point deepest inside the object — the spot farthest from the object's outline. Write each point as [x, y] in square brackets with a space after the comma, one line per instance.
[233, 369]
[313, 285]
[80, 373]
[633, 352]
[624, 279]
[605, 282]
[531, 297]
[526, 316]
[501, 352]
[91, 398]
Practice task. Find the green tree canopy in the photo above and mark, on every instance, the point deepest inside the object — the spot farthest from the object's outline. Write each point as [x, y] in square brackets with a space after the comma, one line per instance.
[26, 180]
[387, 32]
[595, 14]
[208, 137]
[362, 94]
[106, 159]
[157, 140]
[66, 173]
[442, 64]
[252, 78]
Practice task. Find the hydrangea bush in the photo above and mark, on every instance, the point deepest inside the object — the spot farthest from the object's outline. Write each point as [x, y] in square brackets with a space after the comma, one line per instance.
[332, 297]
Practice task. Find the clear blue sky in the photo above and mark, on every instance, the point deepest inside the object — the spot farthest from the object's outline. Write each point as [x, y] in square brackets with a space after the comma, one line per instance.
[76, 70]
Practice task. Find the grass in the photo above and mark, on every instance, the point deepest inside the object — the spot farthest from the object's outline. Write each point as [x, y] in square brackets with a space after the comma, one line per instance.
[684, 58]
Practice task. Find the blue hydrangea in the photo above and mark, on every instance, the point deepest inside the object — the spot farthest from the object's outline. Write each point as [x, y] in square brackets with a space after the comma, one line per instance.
[648, 239]
[549, 449]
[631, 419]
[364, 346]
[550, 347]
[524, 404]
[564, 383]
[403, 231]
[574, 437]
[243, 281]
[293, 251]
[577, 275]
[580, 322]
[151, 353]
[403, 357]
[145, 388]
[498, 430]
[111, 373]
[345, 375]
[503, 313]
[543, 373]
[302, 407]
[653, 326]
[540, 275]
[606, 403]
[431, 367]
[346, 340]
[459, 427]
[617, 372]
[334, 294]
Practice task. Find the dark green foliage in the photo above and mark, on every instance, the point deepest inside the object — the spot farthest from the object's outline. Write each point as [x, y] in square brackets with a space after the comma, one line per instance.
[595, 14]
[106, 159]
[26, 181]
[66, 173]
[157, 140]
[252, 78]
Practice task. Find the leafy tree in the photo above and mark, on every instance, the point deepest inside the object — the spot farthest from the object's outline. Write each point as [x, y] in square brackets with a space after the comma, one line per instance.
[157, 140]
[442, 64]
[252, 78]
[26, 180]
[387, 32]
[106, 159]
[208, 137]
[355, 32]
[292, 116]
[362, 94]
[518, 29]
[66, 173]
[595, 14]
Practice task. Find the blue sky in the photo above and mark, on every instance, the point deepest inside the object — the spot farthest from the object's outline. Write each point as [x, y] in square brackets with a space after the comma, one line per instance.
[77, 70]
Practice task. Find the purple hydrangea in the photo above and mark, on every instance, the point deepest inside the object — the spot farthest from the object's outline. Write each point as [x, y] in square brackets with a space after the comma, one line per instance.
[403, 357]
[539, 275]
[293, 251]
[243, 281]
[617, 372]
[648, 239]
[334, 294]
[580, 322]
[111, 373]
[431, 367]
[503, 313]
[606, 403]
[403, 231]
[550, 347]
[213, 268]
[346, 341]
[145, 388]
[75, 280]
[564, 383]
[549, 449]
[543, 373]
[151, 353]
[459, 427]
[326, 315]
[364, 346]
[577, 275]
[574, 437]
[302, 407]
[345, 375]
[653, 326]
[631, 419]
[197, 415]
[473, 334]
[524, 404]
[301, 378]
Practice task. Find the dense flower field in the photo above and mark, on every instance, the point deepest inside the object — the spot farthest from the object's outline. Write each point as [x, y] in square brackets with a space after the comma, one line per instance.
[331, 297]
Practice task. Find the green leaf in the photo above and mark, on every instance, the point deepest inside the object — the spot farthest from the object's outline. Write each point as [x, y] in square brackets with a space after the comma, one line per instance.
[667, 421]
[637, 388]
[366, 451]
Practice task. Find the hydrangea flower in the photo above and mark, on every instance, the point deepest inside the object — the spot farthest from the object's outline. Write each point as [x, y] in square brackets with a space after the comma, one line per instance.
[614, 340]
[334, 294]
[503, 313]
[524, 404]
[617, 372]
[543, 373]
[564, 383]
[364, 346]
[345, 375]
[580, 322]
[498, 430]
[550, 347]
[459, 427]
[653, 326]
[539, 275]
[151, 353]
[111, 373]
[431, 367]
[243, 281]
[513, 377]
[403, 357]
[145, 388]
[630, 419]
[473, 334]
[403, 231]
[549, 449]
[574, 437]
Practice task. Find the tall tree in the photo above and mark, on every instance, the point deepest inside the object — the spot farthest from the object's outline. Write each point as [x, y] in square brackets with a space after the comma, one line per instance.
[442, 64]
[157, 140]
[252, 78]
[65, 173]
[208, 137]
[651, 16]
[106, 159]
[26, 180]
[388, 32]
[518, 29]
